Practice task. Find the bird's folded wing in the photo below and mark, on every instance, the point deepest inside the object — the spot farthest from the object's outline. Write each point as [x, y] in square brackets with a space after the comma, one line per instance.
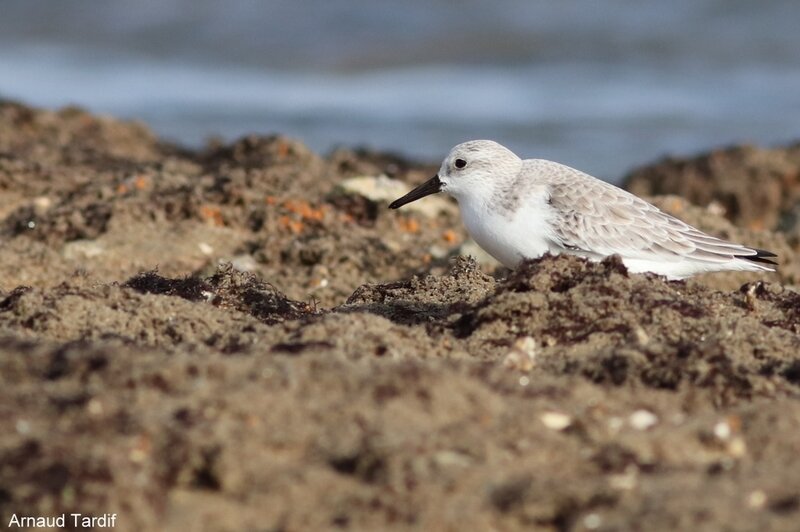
[600, 219]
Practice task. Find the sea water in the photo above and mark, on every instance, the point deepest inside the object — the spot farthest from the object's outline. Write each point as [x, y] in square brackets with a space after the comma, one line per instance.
[602, 86]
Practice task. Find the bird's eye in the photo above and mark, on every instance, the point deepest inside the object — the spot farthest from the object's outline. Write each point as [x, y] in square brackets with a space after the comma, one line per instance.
[460, 163]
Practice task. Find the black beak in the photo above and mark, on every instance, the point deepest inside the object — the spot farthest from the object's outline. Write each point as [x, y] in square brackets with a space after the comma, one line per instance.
[431, 186]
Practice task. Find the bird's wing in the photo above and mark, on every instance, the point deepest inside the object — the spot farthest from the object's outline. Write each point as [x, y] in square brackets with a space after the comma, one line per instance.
[600, 219]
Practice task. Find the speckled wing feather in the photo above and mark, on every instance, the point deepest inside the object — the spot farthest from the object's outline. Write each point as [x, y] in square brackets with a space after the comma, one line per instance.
[600, 219]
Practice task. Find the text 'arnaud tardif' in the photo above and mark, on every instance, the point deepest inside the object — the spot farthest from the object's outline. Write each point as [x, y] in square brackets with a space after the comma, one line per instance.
[63, 520]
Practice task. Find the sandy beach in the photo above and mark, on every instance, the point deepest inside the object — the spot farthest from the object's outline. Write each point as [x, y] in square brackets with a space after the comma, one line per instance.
[244, 337]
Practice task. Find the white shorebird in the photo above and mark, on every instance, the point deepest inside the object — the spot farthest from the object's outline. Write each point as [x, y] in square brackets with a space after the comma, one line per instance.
[521, 209]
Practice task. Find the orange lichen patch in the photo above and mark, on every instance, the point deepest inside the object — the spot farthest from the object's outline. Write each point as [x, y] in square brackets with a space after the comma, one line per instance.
[142, 182]
[292, 225]
[675, 205]
[734, 422]
[347, 217]
[305, 210]
[450, 236]
[427, 258]
[757, 225]
[282, 149]
[432, 225]
[211, 214]
[409, 225]
[271, 200]
[141, 448]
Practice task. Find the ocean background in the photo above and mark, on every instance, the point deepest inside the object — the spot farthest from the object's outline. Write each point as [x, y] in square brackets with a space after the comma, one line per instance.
[599, 85]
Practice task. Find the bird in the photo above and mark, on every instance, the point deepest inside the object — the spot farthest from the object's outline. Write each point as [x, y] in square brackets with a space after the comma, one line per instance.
[518, 209]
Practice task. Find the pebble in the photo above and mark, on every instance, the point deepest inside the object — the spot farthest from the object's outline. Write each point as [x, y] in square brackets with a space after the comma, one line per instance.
[42, 204]
[727, 431]
[716, 208]
[452, 458]
[756, 499]
[437, 251]
[385, 189]
[82, 249]
[641, 336]
[722, 430]
[95, 407]
[642, 419]
[737, 448]
[244, 263]
[556, 420]
[624, 481]
[522, 356]
[592, 521]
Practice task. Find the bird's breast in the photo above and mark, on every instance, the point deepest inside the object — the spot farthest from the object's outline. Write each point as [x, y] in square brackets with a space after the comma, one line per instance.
[508, 236]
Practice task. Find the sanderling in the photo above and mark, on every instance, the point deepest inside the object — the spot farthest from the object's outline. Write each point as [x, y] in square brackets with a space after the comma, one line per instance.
[521, 209]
